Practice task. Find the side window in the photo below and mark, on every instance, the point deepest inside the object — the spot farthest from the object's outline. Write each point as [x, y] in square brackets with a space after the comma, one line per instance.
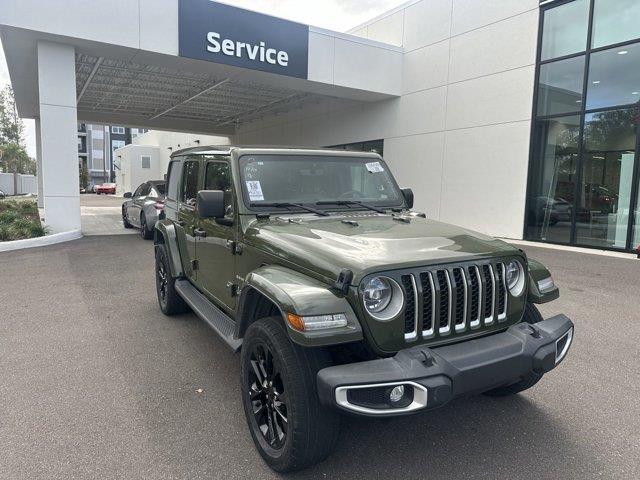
[190, 183]
[218, 177]
[174, 180]
[146, 188]
[138, 191]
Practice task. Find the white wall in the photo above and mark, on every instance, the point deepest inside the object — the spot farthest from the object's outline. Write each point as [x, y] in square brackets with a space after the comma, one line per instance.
[130, 173]
[459, 134]
[169, 142]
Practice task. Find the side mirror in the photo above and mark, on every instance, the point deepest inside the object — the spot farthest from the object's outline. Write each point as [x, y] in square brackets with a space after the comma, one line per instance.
[128, 195]
[210, 204]
[407, 193]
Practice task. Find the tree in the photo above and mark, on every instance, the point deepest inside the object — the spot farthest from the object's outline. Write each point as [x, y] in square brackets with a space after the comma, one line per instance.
[13, 155]
[84, 175]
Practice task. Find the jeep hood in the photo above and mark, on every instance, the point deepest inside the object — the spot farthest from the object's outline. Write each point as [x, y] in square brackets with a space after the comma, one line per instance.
[372, 243]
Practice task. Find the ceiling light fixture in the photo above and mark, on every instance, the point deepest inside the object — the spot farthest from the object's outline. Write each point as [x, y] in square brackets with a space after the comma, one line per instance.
[623, 52]
[596, 82]
[635, 93]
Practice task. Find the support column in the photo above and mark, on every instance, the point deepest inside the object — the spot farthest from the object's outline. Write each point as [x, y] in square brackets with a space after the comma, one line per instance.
[39, 164]
[58, 136]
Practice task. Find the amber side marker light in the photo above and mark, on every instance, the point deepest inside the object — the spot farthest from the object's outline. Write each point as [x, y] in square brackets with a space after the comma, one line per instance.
[296, 322]
[317, 322]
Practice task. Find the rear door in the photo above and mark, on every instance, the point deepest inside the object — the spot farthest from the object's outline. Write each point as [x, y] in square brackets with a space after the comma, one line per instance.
[133, 210]
[186, 220]
[215, 251]
[138, 202]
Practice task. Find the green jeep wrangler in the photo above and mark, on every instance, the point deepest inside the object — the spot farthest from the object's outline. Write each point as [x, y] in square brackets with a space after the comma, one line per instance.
[340, 298]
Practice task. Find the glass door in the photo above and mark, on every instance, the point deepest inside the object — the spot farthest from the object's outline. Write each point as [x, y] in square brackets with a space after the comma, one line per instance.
[604, 199]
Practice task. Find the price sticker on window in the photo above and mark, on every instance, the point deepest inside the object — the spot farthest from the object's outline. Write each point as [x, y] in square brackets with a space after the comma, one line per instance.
[255, 190]
[374, 167]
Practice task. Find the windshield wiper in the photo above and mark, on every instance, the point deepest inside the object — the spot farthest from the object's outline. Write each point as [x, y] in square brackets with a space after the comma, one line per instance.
[351, 202]
[289, 205]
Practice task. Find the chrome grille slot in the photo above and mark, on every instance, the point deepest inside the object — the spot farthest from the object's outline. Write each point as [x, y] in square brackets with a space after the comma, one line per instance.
[489, 294]
[428, 304]
[444, 294]
[410, 308]
[501, 287]
[460, 310]
[475, 284]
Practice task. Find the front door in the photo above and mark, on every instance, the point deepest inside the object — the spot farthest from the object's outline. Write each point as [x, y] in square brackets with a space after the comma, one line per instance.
[215, 252]
[187, 217]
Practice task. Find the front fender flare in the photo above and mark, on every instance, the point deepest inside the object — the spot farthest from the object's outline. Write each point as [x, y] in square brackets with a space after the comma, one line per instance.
[293, 292]
[537, 272]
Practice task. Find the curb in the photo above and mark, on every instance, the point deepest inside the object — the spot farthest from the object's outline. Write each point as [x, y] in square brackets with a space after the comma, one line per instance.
[40, 241]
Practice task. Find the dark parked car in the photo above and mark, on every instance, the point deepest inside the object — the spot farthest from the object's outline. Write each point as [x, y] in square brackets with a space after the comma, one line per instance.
[144, 207]
[2, 195]
[343, 299]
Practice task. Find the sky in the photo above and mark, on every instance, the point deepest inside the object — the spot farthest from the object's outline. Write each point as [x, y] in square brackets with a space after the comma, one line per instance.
[339, 15]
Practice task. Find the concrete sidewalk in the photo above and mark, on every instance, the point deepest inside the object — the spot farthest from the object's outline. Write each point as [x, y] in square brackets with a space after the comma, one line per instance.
[102, 215]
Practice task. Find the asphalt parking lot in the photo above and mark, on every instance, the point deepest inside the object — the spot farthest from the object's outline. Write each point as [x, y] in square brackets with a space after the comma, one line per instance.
[96, 383]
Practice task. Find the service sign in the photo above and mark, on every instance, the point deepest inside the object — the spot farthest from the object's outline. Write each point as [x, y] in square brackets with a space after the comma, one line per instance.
[224, 34]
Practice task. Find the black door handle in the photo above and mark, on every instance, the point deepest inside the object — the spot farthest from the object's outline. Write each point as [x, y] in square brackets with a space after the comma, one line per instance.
[199, 232]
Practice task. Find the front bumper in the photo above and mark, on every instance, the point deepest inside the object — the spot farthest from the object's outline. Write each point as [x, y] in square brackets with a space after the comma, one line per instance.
[437, 375]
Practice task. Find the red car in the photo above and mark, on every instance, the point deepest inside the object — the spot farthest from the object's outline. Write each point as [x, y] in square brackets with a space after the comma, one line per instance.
[106, 188]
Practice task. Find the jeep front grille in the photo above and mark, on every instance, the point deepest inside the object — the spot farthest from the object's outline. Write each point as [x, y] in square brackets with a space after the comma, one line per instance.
[446, 301]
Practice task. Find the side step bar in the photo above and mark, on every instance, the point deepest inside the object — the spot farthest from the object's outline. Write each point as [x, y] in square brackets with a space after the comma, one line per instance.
[216, 318]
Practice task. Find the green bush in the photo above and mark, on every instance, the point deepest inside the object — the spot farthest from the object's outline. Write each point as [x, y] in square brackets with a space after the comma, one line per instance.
[19, 219]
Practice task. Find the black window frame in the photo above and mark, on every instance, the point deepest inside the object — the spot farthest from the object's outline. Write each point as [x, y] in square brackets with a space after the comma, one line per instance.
[183, 201]
[582, 112]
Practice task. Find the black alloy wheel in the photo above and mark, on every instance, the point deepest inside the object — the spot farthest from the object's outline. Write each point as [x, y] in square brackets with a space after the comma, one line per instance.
[267, 395]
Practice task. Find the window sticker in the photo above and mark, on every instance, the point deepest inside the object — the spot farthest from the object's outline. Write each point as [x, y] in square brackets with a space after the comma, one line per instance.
[255, 190]
[374, 167]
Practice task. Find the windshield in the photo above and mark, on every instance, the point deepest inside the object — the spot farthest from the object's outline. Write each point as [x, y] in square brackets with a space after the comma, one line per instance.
[309, 179]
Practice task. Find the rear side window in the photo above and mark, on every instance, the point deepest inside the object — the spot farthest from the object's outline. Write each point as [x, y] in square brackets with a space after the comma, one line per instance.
[190, 182]
[174, 180]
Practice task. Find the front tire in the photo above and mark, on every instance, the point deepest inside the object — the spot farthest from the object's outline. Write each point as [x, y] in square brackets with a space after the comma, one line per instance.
[531, 315]
[171, 303]
[289, 426]
[125, 222]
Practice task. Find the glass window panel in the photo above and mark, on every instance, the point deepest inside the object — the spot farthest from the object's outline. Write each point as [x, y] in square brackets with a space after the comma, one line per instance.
[636, 235]
[614, 77]
[565, 29]
[560, 86]
[607, 176]
[551, 194]
[615, 21]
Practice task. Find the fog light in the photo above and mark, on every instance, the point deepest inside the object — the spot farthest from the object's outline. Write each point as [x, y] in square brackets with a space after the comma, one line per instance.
[396, 394]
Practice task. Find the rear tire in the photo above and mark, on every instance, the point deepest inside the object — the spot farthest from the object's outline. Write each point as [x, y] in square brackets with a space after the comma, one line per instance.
[144, 229]
[171, 303]
[289, 426]
[531, 315]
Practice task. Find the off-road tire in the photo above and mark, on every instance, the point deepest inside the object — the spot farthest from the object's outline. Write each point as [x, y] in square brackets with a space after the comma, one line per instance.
[531, 315]
[312, 429]
[125, 222]
[145, 233]
[171, 303]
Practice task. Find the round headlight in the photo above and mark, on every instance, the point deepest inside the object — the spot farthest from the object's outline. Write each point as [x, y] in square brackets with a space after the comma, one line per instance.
[383, 298]
[515, 277]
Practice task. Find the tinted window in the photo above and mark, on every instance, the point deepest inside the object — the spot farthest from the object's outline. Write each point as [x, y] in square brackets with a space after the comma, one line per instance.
[190, 182]
[138, 191]
[560, 86]
[615, 21]
[565, 29]
[614, 77]
[160, 188]
[173, 179]
[218, 177]
[146, 188]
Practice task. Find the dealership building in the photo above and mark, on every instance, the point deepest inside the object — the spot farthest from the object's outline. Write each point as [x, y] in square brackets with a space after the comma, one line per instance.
[516, 118]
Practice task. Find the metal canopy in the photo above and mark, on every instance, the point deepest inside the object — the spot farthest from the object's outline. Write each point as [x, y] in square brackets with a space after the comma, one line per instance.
[150, 92]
